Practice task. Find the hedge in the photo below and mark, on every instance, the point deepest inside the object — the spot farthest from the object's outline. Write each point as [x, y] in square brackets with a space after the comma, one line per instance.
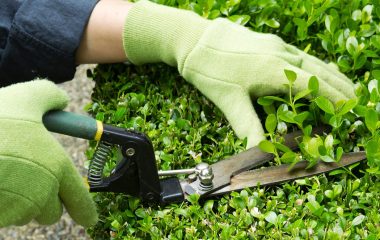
[186, 128]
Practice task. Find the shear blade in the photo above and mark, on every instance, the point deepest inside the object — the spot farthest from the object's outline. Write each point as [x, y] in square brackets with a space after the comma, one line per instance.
[280, 174]
[252, 158]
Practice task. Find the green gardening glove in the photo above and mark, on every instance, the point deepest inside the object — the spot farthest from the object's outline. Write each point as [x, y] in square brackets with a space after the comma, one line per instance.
[36, 175]
[228, 63]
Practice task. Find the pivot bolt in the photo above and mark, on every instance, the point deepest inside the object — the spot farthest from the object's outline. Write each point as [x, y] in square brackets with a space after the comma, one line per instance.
[130, 152]
[205, 176]
[200, 167]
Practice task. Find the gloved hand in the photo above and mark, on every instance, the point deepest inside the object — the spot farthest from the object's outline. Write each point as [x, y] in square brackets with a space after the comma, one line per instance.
[228, 63]
[36, 175]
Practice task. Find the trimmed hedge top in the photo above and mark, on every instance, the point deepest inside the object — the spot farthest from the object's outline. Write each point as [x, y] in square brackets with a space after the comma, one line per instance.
[186, 128]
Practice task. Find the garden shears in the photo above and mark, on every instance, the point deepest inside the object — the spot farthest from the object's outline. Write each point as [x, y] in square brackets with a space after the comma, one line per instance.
[136, 173]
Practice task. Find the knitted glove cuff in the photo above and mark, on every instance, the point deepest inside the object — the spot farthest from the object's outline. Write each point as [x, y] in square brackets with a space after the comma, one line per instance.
[156, 33]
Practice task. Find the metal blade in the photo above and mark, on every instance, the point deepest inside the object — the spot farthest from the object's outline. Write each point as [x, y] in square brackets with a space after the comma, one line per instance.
[253, 157]
[279, 174]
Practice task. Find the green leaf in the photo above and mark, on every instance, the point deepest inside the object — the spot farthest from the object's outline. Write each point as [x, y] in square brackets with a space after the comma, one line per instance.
[267, 146]
[271, 123]
[352, 45]
[335, 121]
[282, 147]
[344, 62]
[358, 220]
[356, 15]
[302, 182]
[375, 41]
[302, 28]
[337, 189]
[183, 124]
[274, 98]
[290, 75]
[328, 20]
[376, 61]
[181, 2]
[353, 166]
[272, 23]
[371, 119]
[282, 128]
[133, 203]
[372, 148]
[264, 101]
[337, 172]
[214, 14]
[360, 61]
[300, 22]
[339, 153]
[329, 194]
[313, 85]
[376, 74]
[360, 110]
[374, 95]
[240, 19]
[115, 224]
[348, 106]
[367, 13]
[327, 45]
[269, 109]
[322, 150]
[287, 116]
[289, 157]
[307, 130]
[301, 117]
[307, 48]
[100, 116]
[375, 170]
[314, 207]
[271, 217]
[302, 94]
[356, 184]
[370, 53]
[141, 213]
[238, 202]
[367, 30]
[311, 146]
[233, 2]
[181, 212]
[208, 206]
[329, 141]
[325, 104]
[119, 114]
[298, 105]
[193, 198]
[327, 158]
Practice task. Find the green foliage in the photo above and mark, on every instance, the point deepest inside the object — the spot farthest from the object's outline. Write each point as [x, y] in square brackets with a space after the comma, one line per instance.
[328, 148]
[186, 128]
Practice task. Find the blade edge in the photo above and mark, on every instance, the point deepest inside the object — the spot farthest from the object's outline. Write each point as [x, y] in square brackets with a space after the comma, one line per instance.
[280, 174]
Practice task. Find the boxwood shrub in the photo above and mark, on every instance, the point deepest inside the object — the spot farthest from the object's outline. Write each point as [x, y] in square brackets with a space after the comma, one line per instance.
[186, 128]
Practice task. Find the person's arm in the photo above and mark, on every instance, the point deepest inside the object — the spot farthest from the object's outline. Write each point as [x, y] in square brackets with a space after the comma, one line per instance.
[39, 38]
[102, 38]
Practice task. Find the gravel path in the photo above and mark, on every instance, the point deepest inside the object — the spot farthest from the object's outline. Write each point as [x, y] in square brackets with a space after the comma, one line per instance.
[79, 90]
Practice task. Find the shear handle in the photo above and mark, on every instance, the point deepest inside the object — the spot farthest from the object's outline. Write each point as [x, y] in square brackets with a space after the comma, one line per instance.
[72, 124]
[136, 174]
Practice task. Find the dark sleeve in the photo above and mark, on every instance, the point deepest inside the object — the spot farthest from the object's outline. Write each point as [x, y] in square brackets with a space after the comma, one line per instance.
[39, 38]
